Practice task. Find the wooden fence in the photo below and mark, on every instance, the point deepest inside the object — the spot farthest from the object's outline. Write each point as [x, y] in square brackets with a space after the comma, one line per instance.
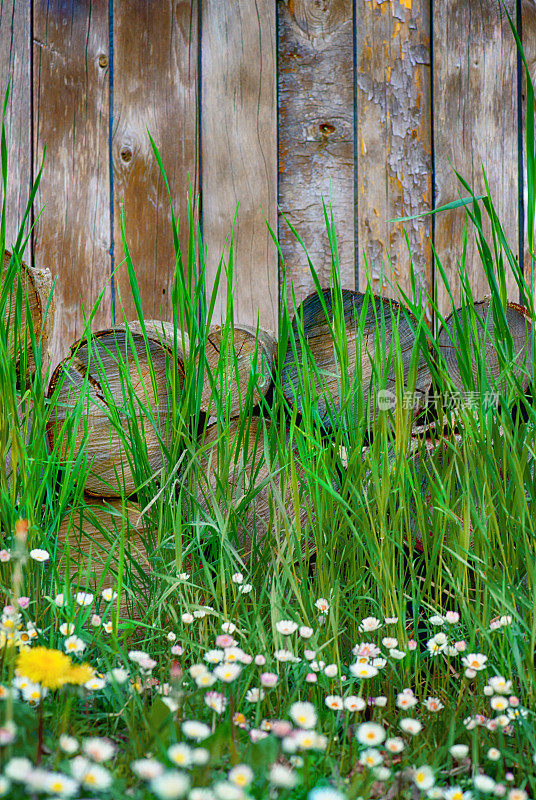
[371, 103]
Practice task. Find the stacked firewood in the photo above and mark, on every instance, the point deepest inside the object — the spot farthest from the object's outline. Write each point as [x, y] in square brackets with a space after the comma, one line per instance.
[92, 375]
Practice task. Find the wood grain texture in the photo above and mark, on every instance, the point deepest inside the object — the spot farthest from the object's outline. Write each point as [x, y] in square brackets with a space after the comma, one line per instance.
[233, 385]
[475, 123]
[528, 8]
[370, 345]
[316, 137]
[119, 385]
[36, 287]
[155, 89]
[241, 477]
[522, 331]
[15, 64]
[71, 115]
[92, 536]
[393, 141]
[239, 151]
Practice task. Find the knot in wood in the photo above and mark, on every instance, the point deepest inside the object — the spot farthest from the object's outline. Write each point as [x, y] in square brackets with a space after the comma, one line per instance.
[320, 18]
[103, 60]
[126, 154]
[326, 128]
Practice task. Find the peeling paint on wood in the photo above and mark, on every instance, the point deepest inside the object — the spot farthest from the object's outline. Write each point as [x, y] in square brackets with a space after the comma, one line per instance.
[316, 148]
[394, 158]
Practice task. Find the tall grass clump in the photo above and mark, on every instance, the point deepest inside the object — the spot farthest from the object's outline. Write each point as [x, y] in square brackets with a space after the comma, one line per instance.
[371, 634]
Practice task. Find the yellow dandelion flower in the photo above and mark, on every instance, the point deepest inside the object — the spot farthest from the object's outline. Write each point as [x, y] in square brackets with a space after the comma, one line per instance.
[44, 666]
[80, 674]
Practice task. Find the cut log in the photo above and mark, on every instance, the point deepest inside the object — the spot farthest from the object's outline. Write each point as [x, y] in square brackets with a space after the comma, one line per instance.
[110, 385]
[240, 477]
[233, 390]
[38, 285]
[253, 356]
[427, 456]
[90, 536]
[520, 327]
[363, 346]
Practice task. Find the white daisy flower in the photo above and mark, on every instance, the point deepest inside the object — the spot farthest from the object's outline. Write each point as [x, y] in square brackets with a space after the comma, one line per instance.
[410, 725]
[281, 776]
[193, 729]
[241, 775]
[39, 555]
[370, 733]
[423, 777]
[73, 644]
[170, 785]
[147, 768]
[370, 624]
[98, 749]
[353, 703]
[475, 661]
[84, 598]
[484, 783]
[303, 714]
[180, 754]
[334, 702]
[286, 627]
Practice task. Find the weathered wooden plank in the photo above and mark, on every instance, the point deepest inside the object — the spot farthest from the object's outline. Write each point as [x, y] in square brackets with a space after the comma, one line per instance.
[528, 25]
[15, 64]
[475, 123]
[71, 115]
[316, 136]
[239, 151]
[393, 140]
[155, 89]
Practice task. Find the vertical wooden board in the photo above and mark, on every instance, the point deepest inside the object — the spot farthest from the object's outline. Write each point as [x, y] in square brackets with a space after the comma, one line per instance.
[475, 124]
[239, 152]
[15, 64]
[316, 137]
[528, 25]
[155, 90]
[71, 83]
[393, 86]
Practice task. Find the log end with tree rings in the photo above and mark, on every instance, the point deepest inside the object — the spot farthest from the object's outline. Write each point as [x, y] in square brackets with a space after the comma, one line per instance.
[255, 358]
[113, 391]
[36, 286]
[521, 329]
[238, 481]
[372, 335]
[90, 539]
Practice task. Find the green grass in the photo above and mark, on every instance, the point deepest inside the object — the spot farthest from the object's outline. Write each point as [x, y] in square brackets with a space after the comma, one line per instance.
[347, 508]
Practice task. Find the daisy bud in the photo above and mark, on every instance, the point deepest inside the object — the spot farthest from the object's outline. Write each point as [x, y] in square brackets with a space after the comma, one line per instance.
[269, 679]
[470, 673]
[260, 660]
[310, 677]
